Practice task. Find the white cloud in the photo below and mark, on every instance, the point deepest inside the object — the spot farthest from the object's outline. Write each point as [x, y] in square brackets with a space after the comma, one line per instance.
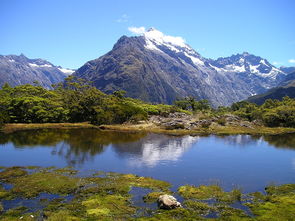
[292, 61]
[124, 18]
[137, 30]
[276, 63]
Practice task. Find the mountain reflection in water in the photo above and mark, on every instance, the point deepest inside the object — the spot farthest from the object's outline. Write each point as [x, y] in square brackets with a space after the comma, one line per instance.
[251, 162]
[77, 146]
[155, 148]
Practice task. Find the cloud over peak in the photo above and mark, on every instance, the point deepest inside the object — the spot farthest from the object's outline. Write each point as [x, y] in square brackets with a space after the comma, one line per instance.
[156, 35]
[137, 30]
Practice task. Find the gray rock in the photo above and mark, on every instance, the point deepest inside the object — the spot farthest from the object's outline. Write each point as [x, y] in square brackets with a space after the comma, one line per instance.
[168, 202]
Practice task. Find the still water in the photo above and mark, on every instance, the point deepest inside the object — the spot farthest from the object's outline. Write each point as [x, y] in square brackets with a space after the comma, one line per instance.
[248, 162]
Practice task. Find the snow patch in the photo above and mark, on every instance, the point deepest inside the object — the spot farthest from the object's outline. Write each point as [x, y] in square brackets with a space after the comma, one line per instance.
[253, 69]
[216, 68]
[235, 68]
[195, 60]
[242, 60]
[33, 65]
[40, 66]
[263, 62]
[66, 71]
[11, 60]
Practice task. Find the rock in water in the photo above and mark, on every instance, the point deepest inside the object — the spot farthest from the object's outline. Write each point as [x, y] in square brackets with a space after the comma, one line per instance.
[168, 202]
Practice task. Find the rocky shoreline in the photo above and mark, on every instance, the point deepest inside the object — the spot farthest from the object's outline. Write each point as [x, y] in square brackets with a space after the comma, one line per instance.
[177, 123]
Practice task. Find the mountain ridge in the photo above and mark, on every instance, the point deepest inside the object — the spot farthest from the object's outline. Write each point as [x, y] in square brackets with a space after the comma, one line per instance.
[19, 69]
[158, 68]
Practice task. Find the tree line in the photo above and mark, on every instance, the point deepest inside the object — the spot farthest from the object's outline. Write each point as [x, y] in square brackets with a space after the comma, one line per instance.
[75, 100]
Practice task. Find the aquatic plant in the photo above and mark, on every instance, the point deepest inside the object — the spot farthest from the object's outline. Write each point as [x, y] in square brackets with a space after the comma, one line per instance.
[106, 196]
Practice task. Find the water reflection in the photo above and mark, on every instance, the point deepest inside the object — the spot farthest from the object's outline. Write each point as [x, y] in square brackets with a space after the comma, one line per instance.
[281, 141]
[248, 161]
[77, 146]
[241, 140]
[155, 148]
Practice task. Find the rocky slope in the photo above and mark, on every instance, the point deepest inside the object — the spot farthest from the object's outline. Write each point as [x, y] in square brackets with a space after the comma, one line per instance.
[285, 88]
[159, 68]
[287, 70]
[17, 70]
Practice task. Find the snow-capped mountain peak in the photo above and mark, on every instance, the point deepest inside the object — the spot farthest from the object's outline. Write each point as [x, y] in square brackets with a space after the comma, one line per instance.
[158, 41]
[160, 38]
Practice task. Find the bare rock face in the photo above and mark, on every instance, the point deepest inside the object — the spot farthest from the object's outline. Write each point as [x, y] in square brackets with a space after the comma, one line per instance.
[168, 202]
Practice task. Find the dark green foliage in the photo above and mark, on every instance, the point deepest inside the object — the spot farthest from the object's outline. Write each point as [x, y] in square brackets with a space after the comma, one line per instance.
[73, 101]
[190, 103]
[272, 113]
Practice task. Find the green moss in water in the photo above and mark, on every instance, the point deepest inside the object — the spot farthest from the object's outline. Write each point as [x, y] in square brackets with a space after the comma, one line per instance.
[116, 183]
[32, 185]
[278, 208]
[226, 212]
[32, 167]
[66, 171]
[278, 203]
[209, 192]
[62, 215]
[283, 189]
[175, 214]
[200, 208]
[108, 206]
[12, 172]
[138, 181]
[3, 193]
[107, 198]
[15, 213]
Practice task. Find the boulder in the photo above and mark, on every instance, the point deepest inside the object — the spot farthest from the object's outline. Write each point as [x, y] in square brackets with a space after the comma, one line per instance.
[168, 202]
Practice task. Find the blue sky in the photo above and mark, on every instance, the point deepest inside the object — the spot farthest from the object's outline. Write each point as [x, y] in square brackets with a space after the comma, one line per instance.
[71, 32]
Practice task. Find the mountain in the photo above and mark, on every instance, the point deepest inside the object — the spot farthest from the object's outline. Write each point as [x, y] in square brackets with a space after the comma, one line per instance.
[286, 88]
[288, 81]
[17, 70]
[287, 70]
[159, 68]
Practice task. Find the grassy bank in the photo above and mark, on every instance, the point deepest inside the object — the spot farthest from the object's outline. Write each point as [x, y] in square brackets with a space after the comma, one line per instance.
[150, 127]
[9, 128]
[226, 130]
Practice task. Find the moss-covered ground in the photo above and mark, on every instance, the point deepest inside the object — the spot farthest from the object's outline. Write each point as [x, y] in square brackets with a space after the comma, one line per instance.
[106, 196]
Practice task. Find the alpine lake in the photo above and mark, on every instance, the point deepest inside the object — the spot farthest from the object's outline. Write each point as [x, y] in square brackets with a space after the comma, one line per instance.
[89, 174]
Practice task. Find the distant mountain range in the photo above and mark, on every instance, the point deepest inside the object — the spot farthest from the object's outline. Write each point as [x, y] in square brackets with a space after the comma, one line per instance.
[17, 70]
[159, 68]
[285, 88]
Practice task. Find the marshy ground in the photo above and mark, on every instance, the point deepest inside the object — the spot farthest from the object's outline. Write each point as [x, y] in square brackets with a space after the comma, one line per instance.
[37, 193]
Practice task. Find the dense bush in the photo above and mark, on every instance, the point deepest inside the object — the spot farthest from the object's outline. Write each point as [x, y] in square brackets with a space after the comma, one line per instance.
[73, 101]
[272, 113]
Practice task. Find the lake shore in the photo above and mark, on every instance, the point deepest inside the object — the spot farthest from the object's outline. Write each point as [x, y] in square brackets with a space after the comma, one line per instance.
[152, 127]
